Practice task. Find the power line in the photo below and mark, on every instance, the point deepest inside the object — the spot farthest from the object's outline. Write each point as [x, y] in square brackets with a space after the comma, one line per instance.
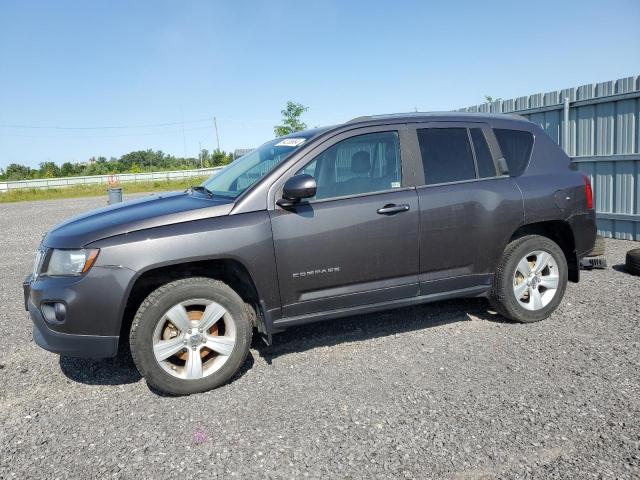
[104, 127]
[241, 121]
[164, 132]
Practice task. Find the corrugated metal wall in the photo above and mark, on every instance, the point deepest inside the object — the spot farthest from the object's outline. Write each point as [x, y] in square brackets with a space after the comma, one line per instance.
[602, 137]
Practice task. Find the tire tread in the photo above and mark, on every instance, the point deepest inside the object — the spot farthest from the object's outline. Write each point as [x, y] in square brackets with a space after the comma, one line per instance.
[154, 297]
[498, 294]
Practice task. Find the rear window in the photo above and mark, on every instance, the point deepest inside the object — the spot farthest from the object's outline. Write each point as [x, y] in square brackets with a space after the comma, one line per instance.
[516, 147]
[446, 155]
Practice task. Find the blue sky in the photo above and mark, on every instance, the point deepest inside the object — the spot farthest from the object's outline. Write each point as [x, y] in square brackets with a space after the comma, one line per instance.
[138, 63]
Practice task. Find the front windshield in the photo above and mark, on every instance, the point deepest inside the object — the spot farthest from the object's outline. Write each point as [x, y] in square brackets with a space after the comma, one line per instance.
[239, 175]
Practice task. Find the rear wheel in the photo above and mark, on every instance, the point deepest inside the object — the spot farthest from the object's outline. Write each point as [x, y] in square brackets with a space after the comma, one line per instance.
[530, 279]
[190, 335]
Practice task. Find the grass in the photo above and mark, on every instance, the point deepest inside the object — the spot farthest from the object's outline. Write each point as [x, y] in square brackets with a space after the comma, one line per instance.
[96, 190]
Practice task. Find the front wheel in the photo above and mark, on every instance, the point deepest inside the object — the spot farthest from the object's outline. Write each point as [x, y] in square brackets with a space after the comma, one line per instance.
[190, 335]
[530, 279]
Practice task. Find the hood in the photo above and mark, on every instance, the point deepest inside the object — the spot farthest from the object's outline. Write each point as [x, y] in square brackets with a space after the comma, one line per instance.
[147, 212]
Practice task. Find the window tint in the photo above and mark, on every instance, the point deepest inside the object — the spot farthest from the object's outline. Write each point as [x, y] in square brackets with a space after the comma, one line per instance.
[239, 175]
[516, 147]
[486, 168]
[446, 155]
[361, 164]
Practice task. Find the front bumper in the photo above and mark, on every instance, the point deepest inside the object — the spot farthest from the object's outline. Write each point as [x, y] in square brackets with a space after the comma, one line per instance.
[88, 346]
[94, 306]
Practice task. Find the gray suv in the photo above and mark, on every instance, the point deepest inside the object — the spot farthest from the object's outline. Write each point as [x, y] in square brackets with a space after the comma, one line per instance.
[377, 213]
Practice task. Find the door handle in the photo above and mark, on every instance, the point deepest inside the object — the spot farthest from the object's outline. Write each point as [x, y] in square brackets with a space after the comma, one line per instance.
[392, 209]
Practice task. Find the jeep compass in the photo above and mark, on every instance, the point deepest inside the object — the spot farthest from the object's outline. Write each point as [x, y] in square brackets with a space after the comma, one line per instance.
[377, 213]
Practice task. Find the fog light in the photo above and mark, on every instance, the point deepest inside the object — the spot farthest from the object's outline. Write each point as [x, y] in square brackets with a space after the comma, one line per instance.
[54, 312]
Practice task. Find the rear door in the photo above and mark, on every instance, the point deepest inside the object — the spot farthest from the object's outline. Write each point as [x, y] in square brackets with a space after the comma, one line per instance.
[468, 207]
[356, 241]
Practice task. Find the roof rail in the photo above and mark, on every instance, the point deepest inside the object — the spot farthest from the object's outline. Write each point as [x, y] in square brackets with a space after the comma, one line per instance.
[360, 119]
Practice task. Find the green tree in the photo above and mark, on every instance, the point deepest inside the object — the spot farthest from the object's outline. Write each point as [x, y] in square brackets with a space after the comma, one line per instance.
[68, 169]
[291, 121]
[205, 158]
[132, 162]
[18, 172]
[49, 170]
[219, 158]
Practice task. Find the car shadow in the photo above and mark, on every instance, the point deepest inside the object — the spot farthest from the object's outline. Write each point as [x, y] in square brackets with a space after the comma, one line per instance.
[121, 370]
[117, 371]
[106, 371]
[364, 327]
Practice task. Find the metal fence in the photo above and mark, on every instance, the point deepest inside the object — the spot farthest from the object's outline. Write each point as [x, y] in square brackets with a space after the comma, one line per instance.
[598, 125]
[44, 183]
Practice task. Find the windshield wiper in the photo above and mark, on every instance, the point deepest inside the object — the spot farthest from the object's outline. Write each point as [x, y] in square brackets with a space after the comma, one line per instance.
[200, 188]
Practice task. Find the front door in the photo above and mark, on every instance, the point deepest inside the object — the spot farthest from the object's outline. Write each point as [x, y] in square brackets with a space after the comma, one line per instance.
[356, 241]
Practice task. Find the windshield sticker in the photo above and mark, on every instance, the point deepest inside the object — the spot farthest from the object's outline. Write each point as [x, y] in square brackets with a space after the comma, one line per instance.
[290, 142]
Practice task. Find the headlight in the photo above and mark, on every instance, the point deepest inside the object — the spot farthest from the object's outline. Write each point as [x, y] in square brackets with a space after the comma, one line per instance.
[71, 262]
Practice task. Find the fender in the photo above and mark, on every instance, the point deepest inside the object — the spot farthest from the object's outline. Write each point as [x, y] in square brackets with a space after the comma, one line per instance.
[245, 238]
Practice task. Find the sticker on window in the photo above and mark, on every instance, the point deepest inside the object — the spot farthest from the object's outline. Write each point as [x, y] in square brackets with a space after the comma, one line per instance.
[395, 184]
[290, 142]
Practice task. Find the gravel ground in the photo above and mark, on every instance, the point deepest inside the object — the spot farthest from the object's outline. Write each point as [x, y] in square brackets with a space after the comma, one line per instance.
[446, 390]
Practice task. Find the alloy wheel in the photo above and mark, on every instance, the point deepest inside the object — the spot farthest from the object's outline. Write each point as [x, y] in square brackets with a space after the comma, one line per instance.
[536, 280]
[194, 339]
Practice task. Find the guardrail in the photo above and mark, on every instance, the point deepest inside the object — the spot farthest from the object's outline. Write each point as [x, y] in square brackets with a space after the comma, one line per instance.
[45, 183]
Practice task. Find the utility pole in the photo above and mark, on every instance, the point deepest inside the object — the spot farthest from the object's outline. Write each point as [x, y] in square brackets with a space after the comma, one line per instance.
[215, 125]
[200, 153]
[567, 131]
[184, 139]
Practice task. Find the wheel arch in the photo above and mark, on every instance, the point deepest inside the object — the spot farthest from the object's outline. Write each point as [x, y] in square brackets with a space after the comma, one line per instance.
[228, 270]
[561, 233]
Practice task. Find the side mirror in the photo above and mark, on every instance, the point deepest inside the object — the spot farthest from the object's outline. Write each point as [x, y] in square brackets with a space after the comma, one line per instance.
[296, 188]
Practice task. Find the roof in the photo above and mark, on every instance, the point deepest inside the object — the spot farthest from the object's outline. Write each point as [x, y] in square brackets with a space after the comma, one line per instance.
[308, 133]
[450, 116]
[409, 117]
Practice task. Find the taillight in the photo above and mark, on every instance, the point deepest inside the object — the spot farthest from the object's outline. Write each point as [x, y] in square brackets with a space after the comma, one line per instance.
[588, 192]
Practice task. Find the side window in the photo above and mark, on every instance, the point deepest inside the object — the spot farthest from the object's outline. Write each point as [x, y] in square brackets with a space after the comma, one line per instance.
[516, 147]
[486, 168]
[361, 164]
[446, 155]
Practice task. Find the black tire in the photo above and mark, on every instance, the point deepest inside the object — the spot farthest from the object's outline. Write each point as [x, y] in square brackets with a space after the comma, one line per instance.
[502, 297]
[151, 312]
[632, 261]
[598, 249]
